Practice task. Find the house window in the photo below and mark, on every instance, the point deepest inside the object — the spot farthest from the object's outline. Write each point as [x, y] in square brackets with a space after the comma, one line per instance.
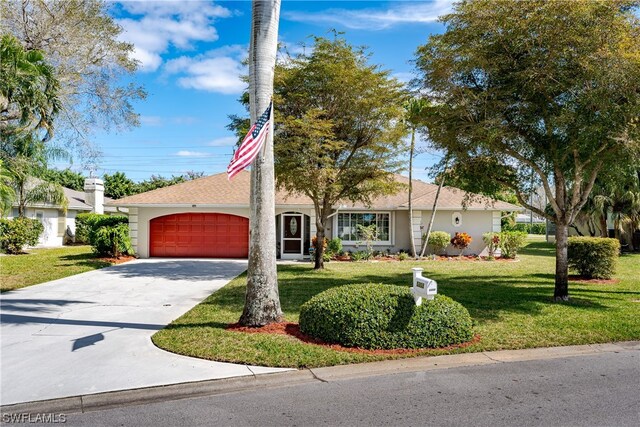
[348, 225]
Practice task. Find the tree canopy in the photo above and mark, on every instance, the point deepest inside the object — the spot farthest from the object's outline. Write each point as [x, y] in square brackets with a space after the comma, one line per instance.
[81, 42]
[536, 93]
[29, 90]
[338, 127]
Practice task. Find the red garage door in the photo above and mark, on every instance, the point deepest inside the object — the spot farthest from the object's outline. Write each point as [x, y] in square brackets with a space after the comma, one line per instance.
[200, 235]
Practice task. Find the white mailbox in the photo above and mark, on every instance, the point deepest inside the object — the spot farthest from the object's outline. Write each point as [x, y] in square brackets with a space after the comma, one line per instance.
[423, 287]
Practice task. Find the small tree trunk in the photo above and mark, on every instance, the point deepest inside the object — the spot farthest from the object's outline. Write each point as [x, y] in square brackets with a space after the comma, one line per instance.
[319, 251]
[561, 292]
[262, 300]
[603, 226]
[433, 213]
[412, 248]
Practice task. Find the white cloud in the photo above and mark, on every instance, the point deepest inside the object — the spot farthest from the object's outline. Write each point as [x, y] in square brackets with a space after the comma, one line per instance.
[375, 19]
[404, 77]
[151, 120]
[217, 70]
[225, 141]
[186, 153]
[154, 26]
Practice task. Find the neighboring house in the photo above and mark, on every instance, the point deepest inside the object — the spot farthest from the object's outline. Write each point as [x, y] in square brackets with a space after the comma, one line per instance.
[209, 217]
[56, 221]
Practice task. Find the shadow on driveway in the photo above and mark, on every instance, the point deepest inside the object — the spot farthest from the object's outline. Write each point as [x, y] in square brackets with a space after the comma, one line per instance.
[183, 269]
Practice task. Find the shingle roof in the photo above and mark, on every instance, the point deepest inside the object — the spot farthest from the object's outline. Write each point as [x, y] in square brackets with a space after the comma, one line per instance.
[217, 190]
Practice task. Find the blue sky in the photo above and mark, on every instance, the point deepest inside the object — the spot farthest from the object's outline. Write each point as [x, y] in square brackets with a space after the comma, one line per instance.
[191, 53]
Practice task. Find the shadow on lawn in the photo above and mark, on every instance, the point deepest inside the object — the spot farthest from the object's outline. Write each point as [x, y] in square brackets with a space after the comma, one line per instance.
[89, 260]
[539, 249]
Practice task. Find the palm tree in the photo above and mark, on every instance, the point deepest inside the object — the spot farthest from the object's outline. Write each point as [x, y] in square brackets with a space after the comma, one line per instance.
[414, 112]
[25, 158]
[262, 300]
[28, 90]
[7, 194]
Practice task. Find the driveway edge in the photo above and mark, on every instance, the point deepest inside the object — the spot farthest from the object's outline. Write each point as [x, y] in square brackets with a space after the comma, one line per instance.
[99, 401]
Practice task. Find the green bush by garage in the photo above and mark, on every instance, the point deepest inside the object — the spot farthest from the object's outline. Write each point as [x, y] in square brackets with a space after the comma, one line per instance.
[107, 234]
[594, 257]
[378, 316]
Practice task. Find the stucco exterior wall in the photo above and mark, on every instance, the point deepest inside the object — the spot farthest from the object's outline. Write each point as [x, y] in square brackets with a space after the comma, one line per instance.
[140, 218]
[474, 223]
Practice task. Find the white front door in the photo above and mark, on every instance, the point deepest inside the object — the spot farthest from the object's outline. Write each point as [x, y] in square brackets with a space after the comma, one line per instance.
[292, 232]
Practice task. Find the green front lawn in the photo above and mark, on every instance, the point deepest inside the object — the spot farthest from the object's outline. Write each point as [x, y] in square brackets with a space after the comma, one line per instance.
[42, 265]
[511, 303]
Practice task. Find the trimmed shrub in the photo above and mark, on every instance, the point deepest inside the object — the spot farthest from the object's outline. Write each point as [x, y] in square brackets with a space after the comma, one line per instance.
[377, 316]
[438, 240]
[511, 242]
[334, 247]
[108, 234]
[492, 240]
[538, 229]
[112, 240]
[594, 257]
[403, 256]
[17, 233]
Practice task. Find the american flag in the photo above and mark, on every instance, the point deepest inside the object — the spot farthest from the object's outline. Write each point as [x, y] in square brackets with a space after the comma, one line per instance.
[251, 144]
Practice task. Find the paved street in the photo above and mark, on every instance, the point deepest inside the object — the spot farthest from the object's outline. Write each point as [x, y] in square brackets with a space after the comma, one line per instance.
[91, 332]
[590, 390]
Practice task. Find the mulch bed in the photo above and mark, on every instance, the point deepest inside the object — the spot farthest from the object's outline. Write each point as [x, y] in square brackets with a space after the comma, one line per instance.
[293, 330]
[120, 260]
[580, 279]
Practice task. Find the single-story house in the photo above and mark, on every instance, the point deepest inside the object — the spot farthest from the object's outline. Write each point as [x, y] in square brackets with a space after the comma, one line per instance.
[56, 221]
[209, 217]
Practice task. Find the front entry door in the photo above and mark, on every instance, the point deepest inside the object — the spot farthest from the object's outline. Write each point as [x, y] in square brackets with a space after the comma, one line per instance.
[292, 232]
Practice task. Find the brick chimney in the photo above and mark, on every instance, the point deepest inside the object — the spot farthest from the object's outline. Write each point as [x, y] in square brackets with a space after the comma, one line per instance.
[94, 194]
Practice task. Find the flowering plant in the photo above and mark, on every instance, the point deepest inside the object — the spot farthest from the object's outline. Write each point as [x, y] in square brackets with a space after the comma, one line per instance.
[461, 241]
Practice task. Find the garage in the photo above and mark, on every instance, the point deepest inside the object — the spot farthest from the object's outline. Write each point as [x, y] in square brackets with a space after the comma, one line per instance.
[199, 235]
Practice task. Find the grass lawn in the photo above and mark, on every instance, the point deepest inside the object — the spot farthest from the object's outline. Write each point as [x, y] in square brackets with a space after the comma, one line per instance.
[42, 265]
[511, 303]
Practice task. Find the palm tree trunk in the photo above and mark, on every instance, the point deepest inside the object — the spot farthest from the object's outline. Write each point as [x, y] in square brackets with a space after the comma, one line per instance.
[433, 211]
[262, 300]
[411, 150]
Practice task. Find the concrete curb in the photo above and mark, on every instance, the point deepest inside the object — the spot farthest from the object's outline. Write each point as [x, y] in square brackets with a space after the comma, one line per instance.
[94, 402]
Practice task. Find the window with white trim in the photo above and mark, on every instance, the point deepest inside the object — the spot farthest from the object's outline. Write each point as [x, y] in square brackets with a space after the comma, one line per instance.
[348, 222]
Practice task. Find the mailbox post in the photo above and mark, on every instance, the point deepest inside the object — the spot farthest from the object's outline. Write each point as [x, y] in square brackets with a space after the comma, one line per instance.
[423, 287]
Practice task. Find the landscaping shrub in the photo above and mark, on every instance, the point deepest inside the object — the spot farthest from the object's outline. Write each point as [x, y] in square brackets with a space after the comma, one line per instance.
[438, 240]
[376, 316]
[17, 233]
[537, 228]
[107, 234]
[334, 247]
[594, 257]
[403, 256]
[511, 242]
[492, 240]
[112, 240]
[461, 241]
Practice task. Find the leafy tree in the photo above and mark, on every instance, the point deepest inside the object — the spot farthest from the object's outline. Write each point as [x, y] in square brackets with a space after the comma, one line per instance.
[29, 91]
[82, 42]
[549, 89]
[339, 129]
[66, 178]
[118, 185]
[26, 158]
[262, 299]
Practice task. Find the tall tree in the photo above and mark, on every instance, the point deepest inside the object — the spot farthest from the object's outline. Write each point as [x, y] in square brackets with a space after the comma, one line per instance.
[544, 87]
[262, 299]
[81, 41]
[340, 129]
[7, 193]
[67, 178]
[118, 185]
[29, 91]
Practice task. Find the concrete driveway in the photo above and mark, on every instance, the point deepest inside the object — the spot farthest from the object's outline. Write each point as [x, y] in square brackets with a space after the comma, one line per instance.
[91, 332]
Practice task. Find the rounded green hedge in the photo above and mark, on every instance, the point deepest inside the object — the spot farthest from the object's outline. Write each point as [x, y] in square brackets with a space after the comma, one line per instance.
[377, 316]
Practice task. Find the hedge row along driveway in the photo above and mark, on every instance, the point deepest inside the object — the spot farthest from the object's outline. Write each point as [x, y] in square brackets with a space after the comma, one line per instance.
[511, 303]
